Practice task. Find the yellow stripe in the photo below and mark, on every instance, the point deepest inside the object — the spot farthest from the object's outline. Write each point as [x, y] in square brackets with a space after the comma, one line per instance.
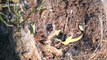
[69, 39]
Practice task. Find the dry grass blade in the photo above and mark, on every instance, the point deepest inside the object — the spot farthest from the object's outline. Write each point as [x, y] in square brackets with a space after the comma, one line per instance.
[101, 38]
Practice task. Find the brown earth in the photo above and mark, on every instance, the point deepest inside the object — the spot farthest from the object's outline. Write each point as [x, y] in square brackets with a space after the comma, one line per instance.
[67, 15]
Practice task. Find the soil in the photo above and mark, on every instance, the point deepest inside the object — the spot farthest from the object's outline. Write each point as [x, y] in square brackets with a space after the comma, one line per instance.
[67, 15]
